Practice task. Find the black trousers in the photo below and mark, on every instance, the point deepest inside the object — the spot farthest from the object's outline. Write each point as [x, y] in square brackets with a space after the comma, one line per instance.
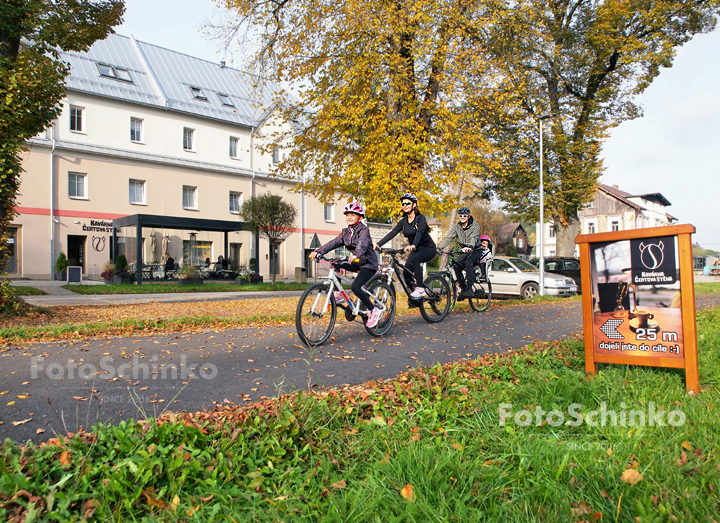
[361, 279]
[466, 262]
[424, 255]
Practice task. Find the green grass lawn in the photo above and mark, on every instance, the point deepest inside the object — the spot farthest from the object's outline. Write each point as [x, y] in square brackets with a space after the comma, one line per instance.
[25, 290]
[426, 446]
[153, 288]
[707, 287]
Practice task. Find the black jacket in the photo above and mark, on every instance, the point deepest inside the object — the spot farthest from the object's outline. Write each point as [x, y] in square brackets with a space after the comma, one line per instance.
[417, 232]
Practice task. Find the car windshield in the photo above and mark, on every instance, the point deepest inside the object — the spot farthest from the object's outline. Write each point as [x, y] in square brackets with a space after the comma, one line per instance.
[523, 265]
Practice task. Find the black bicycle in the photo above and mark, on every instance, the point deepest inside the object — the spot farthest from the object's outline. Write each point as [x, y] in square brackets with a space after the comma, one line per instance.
[434, 306]
[482, 287]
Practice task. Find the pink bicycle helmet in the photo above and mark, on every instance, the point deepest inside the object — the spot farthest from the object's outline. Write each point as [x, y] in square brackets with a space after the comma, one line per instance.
[485, 237]
[355, 207]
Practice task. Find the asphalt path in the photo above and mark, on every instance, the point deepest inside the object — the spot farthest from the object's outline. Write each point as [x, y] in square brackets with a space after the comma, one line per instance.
[61, 387]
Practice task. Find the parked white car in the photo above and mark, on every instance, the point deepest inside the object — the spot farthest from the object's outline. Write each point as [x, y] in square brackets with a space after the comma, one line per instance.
[517, 277]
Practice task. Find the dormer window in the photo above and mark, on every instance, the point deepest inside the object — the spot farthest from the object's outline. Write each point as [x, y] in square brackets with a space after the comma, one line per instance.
[198, 93]
[118, 73]
[225, 100]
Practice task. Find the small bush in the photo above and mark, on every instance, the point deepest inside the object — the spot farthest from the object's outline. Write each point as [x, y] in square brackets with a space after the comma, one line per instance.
[61, 264]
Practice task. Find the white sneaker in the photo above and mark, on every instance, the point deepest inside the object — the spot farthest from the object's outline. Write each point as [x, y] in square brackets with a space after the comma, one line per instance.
[419, 292]
[339, 297]
[374, 318]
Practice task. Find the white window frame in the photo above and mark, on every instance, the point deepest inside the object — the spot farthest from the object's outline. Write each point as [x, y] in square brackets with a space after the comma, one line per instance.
[591, 228]
[236, 140]
[81, 130]
[239, 200]
[144, 194]
[615, 225]
[141, 122]
[84, 177]
[329, 216]
[276, 155]
[194, 206]
[552, 233]
[192, 139]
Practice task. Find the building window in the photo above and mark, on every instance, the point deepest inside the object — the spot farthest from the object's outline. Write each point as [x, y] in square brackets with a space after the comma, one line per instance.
[198, 93]
[519, 243]
[329, 212]
[137, 192]
[136, 125]
[235, 202]
[188, 139]
[276, 155]
[76, 119]
[615, 226]
[189, 197]
[225, 100]
[77, 185]
[118, 73]
[233, 147]
[591, 228]
[551, 232]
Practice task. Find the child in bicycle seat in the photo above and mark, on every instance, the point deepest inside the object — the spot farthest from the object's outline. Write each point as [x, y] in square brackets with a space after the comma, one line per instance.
[467, 232]
[363, 259]
[486, 255]
[422, 247]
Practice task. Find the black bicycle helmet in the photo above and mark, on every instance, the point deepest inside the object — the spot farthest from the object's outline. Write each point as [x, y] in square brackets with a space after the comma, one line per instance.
[463, 210]
[409, 196]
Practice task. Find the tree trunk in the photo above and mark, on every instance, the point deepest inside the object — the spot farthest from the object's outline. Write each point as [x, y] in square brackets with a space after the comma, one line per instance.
[565, 239]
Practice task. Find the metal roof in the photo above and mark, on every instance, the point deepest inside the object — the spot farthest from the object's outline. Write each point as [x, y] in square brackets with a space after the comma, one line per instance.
[162, 78]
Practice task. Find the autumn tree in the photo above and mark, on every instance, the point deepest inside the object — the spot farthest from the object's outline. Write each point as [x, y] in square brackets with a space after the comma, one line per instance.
[391, 97]
[583, 62]
[32, 34]
[270, 217]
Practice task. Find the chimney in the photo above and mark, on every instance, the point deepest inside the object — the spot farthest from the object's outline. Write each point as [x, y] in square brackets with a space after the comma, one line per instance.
[222, 64]
[614, 185]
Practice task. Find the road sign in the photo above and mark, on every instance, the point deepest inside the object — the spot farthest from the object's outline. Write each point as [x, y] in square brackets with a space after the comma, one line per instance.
[639, 299]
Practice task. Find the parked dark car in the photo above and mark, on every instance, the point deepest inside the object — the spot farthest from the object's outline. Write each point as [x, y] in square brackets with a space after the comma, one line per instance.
[569, 267]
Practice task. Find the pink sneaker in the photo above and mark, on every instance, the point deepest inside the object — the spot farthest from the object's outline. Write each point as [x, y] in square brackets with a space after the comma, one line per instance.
[374, 318]
[339, 297]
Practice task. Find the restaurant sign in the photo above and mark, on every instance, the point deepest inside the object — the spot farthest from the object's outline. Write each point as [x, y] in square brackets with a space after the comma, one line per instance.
[639, 307]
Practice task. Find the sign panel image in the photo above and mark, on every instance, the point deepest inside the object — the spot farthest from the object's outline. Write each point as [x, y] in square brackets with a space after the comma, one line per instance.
[641, 306]
[638, 307]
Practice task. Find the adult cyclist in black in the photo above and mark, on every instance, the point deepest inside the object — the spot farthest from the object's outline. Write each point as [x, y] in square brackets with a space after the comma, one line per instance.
[422, 247]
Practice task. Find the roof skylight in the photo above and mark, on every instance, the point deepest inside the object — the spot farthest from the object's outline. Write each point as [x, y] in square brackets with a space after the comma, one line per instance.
[118, 73]
[225, 100]
[198, 93]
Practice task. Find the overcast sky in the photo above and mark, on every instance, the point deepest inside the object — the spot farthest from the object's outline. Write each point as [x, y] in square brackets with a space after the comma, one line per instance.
[674, 149]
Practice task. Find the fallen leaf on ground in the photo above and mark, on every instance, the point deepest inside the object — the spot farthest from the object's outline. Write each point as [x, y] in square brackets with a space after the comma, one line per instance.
[408, 493]
[631, 476]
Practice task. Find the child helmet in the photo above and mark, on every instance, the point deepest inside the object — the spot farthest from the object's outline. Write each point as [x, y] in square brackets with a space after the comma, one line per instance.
[355, 207]
[485, 237]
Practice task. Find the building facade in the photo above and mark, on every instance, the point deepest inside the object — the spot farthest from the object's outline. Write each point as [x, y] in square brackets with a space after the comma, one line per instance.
[615, 210]
[146, 130]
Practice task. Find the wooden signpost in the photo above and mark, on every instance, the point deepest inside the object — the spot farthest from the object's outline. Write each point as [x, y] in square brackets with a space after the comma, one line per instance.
[639, 299]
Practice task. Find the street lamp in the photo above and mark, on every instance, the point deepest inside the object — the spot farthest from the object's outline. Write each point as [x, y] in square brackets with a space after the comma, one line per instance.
[542, 207]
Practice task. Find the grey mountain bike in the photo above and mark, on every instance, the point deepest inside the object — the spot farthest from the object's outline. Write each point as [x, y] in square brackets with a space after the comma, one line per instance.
[317, 309]
[480, 301]
[434, 306]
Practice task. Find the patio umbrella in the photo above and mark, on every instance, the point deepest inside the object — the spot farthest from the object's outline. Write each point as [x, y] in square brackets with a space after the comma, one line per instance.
[153, 248]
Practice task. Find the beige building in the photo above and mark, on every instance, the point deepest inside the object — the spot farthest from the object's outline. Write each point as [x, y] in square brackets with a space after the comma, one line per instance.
[148, 131]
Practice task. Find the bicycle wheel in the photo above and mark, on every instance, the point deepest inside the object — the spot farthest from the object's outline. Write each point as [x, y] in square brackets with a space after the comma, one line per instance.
[382, 295]
[483, 295]
[315, 315]
[436, 305]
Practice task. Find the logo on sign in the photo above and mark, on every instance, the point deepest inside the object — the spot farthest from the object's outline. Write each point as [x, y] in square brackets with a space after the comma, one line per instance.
[98, 243]
[651, 255]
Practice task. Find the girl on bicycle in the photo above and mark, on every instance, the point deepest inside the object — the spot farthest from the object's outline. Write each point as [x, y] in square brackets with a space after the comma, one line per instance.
[467, 232]
[422, 247]
[363, 259]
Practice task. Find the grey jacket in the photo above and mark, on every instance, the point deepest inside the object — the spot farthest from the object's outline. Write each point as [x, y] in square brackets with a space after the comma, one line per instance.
[358, 241]
[467, 237]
